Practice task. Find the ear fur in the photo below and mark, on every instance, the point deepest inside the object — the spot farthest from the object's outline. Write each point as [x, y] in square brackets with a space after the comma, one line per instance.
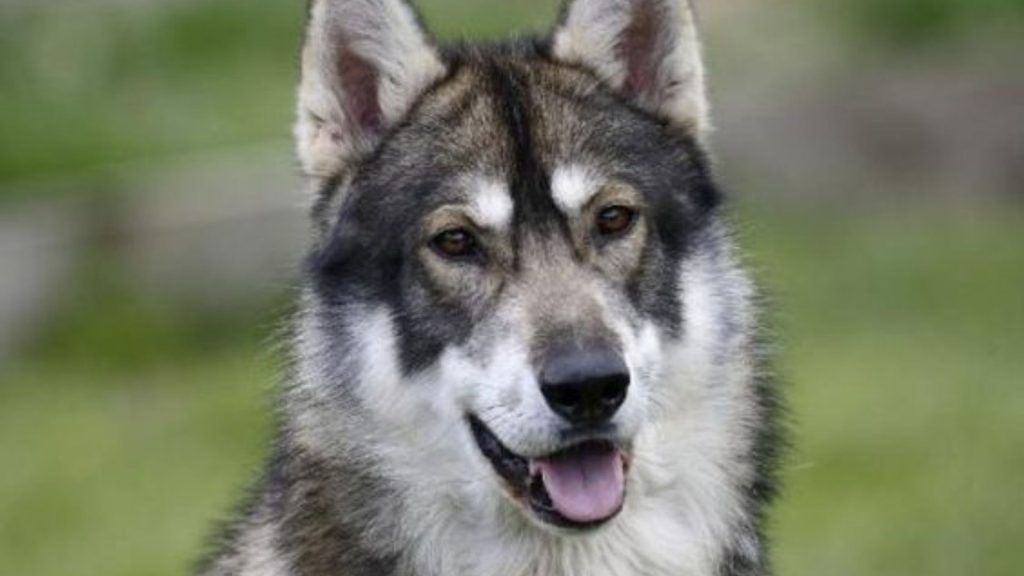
[364, 63]
[647, 50]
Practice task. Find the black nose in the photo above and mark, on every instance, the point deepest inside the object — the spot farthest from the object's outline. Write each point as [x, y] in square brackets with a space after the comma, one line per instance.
[585, 385]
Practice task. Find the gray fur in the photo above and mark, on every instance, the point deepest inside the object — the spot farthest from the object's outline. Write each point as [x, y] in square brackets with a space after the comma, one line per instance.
[375, 469]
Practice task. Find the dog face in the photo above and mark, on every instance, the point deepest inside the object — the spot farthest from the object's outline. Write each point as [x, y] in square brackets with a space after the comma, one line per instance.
[505, 232]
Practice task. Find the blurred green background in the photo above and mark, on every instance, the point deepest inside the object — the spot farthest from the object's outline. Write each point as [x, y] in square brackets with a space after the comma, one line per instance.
[151, 220]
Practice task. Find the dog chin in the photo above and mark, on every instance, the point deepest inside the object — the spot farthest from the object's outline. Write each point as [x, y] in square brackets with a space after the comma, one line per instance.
[576, 488]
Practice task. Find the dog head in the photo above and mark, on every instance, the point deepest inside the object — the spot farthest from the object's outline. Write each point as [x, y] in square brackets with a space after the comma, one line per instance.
[504, 232]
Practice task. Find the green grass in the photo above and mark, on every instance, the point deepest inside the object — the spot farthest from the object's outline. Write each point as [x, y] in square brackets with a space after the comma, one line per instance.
[89, 85]
[127, 428]
[122, 473]
[902, 361]
[903, 336]
[909, 23]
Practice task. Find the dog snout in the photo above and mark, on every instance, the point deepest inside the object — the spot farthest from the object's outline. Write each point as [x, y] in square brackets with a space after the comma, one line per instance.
[585, 385]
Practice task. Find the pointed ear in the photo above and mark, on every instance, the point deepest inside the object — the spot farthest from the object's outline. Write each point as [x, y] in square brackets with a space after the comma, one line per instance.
[364, 63]
[648, 50]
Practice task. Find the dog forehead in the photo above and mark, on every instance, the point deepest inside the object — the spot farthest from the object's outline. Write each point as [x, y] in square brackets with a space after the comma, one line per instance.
[474, 112]
[466, 140]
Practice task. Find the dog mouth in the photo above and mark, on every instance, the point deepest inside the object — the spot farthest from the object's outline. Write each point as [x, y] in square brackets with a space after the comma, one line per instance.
[580, 486]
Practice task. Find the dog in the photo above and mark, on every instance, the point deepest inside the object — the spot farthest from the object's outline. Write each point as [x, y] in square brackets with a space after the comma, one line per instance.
[524, 345]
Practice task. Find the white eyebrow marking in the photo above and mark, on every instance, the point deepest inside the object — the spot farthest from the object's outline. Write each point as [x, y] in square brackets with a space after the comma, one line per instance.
[491, 203]
[572, 186]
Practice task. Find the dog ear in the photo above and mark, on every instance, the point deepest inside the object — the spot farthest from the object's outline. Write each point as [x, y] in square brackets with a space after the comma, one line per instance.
[364, 63]
[647, 50]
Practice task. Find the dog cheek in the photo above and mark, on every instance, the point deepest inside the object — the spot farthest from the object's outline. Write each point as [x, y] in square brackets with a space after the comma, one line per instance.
[381, 385]
[644, 353]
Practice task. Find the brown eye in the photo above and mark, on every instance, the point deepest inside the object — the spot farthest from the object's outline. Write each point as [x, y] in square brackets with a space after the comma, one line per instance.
[454, 243]
[615, 220]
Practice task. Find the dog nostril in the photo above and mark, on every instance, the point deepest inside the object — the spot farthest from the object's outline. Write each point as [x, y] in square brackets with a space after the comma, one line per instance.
[585, 386]
[613, 393]
[567, 397]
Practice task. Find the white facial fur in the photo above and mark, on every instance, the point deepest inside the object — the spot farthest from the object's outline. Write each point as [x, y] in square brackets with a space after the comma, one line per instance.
[572, 186]
[490, 203]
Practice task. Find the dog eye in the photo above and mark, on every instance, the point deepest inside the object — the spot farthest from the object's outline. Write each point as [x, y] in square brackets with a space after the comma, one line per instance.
[454, 243]
[615, 220]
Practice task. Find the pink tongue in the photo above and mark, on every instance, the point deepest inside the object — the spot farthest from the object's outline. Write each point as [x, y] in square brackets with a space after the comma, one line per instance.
[585, 485]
